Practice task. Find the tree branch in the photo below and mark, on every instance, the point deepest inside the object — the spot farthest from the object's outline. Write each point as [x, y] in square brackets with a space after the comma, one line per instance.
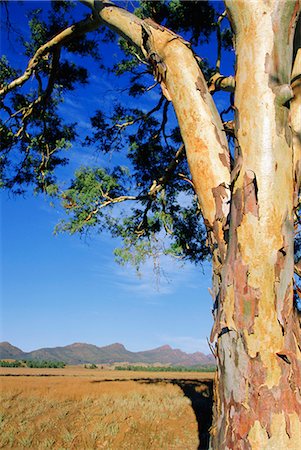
[142, 117]
[150, 195]
[200, 124]
[158, 185]
[77, 29]
[219, 82]
[219, 41]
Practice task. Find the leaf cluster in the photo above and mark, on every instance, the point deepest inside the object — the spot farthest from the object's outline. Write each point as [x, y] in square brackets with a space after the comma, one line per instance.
[34, 134]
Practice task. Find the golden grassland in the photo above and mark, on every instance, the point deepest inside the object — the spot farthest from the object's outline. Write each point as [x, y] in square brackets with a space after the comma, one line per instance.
[77, 408]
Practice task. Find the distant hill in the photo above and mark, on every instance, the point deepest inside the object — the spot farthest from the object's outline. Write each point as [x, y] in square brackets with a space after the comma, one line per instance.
[79, 353]
[8, 351]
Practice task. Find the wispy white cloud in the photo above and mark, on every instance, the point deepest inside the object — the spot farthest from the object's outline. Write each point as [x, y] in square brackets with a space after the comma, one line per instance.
[188, 344]
[150, 285]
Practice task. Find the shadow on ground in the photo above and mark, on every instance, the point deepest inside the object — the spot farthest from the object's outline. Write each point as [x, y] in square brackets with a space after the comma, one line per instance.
[199, 392]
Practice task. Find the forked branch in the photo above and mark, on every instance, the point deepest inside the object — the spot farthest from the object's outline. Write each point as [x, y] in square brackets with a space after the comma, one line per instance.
[200, 124]
[62, 38]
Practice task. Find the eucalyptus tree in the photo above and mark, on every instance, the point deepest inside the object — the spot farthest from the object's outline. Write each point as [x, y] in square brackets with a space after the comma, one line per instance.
[223, 185]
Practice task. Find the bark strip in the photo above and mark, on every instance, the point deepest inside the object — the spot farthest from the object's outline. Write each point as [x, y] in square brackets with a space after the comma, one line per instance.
[258, 396]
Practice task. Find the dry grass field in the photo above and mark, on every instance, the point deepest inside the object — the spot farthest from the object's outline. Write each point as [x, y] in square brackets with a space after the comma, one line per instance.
[77, 408]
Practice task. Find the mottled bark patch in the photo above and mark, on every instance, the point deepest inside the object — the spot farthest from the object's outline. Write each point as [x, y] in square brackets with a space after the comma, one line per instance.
[237, 208]
[219, 194]
[224, 157]
[251, 194]
[281, 254]
[199, 84]
[246, 298]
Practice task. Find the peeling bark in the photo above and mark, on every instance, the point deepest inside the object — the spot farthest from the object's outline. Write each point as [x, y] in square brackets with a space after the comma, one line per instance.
[258, 387]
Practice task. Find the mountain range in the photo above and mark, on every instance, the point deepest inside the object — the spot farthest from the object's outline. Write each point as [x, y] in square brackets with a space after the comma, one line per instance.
[80, 353]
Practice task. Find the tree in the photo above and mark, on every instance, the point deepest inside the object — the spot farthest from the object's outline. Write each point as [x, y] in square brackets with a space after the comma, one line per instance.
[245, 173]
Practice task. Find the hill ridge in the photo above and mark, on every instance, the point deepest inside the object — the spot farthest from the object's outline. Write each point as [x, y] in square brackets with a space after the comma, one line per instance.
[80, 353]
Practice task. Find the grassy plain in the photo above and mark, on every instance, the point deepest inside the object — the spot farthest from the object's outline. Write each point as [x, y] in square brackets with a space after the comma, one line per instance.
[77, 408]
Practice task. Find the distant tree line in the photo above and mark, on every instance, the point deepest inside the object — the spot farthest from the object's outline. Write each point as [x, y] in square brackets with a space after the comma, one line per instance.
[168, 368]
[45, 364]
[36, 364]
[11, 364]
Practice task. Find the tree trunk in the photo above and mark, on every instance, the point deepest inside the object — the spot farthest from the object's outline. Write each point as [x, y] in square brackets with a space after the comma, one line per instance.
[258, 384]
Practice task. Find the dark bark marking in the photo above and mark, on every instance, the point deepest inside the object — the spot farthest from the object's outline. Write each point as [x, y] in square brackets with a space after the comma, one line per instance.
[216, 303]
[297, 178]
[236, 169]
[224, 330]
[282, 327]
[146, 34]
[284, 357]
[296, 78]
[287, 426]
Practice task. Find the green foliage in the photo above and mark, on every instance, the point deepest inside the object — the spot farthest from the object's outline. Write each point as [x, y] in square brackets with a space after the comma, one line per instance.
[89, 193]
[192, 17]
[32, 126]
[41, 364]
[10, 364]
[7, 73]
[227, 38]
[35, 364]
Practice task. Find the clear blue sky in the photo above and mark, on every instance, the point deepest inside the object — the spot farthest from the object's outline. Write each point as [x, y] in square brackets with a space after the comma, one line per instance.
[60, 289]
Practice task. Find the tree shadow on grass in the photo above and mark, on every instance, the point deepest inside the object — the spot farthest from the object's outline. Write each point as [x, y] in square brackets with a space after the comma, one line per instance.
[199, 392]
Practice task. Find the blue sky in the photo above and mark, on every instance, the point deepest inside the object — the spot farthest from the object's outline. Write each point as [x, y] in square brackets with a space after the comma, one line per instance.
[61, 289]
